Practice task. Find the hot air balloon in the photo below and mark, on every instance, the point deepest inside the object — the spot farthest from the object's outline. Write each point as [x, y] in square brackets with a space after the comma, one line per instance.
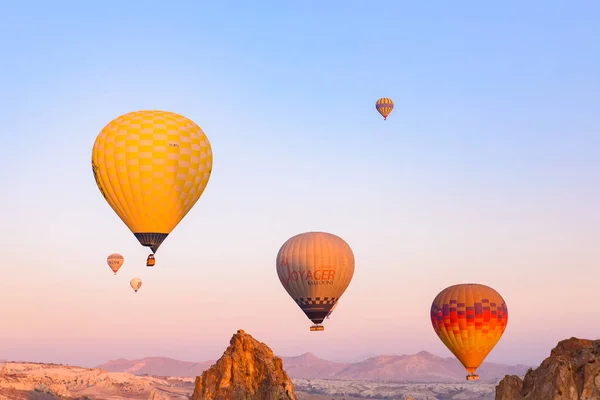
[315, 268]
[469, 319]
[332, 308]
[384, 106]
[136, 284]
[115, 261]
[151, 167]
[150, 261]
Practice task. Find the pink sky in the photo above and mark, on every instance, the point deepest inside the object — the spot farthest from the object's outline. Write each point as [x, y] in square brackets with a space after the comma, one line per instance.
[75, 311]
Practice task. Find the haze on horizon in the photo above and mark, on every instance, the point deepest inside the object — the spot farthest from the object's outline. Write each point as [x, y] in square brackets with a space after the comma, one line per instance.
[487, 171]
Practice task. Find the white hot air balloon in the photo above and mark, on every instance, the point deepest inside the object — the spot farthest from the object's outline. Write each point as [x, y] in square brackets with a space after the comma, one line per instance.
[315, 268]
[136, 284]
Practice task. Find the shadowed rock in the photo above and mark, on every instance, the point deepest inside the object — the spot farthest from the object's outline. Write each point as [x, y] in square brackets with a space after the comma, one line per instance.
[572, 372]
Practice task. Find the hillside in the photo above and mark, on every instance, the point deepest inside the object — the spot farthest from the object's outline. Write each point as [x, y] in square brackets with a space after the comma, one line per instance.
[24, 380]
[161, 366]
[309, 366]
[36, 381]
[420, 367]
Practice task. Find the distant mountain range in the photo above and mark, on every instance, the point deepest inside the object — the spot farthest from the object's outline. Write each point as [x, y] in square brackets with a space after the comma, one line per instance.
[420, 367]
[160, 366]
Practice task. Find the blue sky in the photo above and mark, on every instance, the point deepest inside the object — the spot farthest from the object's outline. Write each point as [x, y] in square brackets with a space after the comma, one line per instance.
[487, 170]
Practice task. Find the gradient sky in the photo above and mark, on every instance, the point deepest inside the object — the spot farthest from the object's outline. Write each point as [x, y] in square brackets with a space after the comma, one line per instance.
[487, 171]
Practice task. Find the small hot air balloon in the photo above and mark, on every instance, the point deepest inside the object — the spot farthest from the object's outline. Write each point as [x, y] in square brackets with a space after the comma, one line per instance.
[384, 106]
[315, 268]
[151, 167]
[136, 284]
[469, 319]
[115, 261]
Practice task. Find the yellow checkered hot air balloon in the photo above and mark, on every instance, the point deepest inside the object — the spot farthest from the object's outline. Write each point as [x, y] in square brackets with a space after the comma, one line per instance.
[469, 319]
[151, 167]
[384, 106]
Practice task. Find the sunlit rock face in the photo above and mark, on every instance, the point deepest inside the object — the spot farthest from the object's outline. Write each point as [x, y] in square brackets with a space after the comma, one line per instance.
[248, 370]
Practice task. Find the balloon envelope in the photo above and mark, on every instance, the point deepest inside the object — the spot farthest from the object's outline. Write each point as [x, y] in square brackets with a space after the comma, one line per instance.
[384, 106]
[115, 261]
[332, 308]
[469, 319]
[136, 284]
[315, 268]
[151, 167]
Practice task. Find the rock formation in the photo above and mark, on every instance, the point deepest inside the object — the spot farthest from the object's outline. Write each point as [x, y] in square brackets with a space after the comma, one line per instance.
[248, 370]
[572, 372]
[509, 388]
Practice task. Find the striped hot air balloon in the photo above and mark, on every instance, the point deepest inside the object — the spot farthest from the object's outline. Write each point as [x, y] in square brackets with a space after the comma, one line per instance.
[315, 268]
[151, 167]
[469, 319]
[384, 106]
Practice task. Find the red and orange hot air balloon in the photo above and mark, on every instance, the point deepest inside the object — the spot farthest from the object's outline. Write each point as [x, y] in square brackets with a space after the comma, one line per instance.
[469, 319]
[384, 106]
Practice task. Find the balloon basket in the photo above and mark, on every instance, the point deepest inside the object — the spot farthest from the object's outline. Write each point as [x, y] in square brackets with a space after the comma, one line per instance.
[472, 377]
[317, 328]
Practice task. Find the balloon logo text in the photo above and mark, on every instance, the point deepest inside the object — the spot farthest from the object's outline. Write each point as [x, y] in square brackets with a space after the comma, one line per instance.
[316, 277]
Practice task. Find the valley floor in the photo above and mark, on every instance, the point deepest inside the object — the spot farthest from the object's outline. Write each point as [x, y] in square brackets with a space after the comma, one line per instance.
[34, 381]
[354, 390]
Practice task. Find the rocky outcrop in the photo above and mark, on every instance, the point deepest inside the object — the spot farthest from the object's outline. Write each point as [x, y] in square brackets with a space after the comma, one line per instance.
[572, 372]
[509, 388]
[248, 370]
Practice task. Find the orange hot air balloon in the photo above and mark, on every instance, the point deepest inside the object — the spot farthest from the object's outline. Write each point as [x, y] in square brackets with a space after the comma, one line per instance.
[469, 319]
[115, 262]
[384, 107]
